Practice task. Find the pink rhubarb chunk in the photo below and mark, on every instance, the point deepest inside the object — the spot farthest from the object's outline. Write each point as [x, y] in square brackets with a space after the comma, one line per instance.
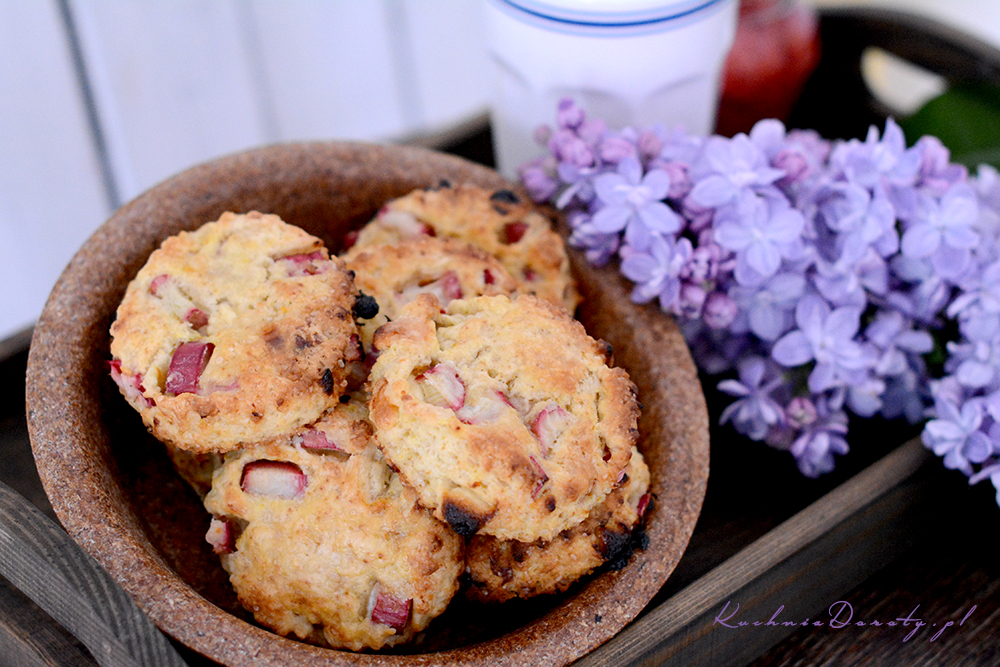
[445, 288]
[542, 478]
[306, 264]
[442, 386]
[186, 366]
[130, 385]
[514, 232]
[643, 505]
[221, 536]
[157, 283]
[313, 439]
[405, 223]
[485, 411]
[387, 609]
[549, 424]
[197, 318]
[277, 479]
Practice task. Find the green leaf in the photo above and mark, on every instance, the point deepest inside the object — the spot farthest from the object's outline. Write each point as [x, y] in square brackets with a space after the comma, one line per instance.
[966, 118]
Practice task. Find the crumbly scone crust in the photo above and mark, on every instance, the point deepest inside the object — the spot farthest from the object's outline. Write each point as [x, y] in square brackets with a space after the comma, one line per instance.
[486, 464]
[500, 570]
[446, 267]
[308, 566]
[499, 222]
[275, 308]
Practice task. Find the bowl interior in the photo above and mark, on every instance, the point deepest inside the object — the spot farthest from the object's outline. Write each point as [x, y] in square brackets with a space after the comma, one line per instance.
[115, 491]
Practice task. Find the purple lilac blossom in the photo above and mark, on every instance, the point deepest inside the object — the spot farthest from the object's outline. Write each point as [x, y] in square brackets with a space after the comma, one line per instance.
[772, 247]
[761, 231]
[539, 178]
[954, 434]
[975, 363]
[893, 335]
[633, 202]
[731, 166]
[942, 230]
[827, 337]
[876, 160]
[767, 310]
[814, 448]
[754, 412]
[656, 270]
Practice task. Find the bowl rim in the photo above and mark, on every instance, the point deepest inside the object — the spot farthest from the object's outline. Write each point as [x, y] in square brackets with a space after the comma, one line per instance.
[94, 508]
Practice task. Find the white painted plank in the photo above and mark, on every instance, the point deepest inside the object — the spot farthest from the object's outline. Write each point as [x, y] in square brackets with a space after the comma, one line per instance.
[51, 194]
[329, 69]
[173, 83]
[449, 59]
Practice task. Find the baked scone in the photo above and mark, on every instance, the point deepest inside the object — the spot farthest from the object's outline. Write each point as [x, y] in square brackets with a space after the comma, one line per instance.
[499, 222]
[235, 333]
[500, 570]
[323, 542]
[445, 267]
[502, 414]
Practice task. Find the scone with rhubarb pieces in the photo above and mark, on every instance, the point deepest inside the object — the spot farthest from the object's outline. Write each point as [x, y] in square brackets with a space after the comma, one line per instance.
[499, 222]
[393, 275]
[323, 542]
[502, 414]
[235, 333]
[500, 570]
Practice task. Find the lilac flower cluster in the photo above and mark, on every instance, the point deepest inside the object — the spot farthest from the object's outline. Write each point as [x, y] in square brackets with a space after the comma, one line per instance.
[817, 277]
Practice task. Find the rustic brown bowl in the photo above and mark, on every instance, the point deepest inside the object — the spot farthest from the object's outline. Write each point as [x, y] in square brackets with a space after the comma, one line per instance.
[114, 489]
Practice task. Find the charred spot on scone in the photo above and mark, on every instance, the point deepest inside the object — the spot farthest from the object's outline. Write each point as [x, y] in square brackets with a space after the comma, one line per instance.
[608, 351]
[618, 545]
[614, 544]
[518, 551]
[365, 307]
[500, 568]
[466, 511]
[505, 196]
[462, 522]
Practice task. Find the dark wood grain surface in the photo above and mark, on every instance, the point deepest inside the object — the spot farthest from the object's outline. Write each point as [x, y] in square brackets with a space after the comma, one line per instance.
[951, 573]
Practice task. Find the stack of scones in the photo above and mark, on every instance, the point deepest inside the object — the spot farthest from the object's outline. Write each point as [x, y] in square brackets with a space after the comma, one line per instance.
[368, 431]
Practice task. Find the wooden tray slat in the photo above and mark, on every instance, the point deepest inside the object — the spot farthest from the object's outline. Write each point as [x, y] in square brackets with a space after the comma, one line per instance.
[805, 564]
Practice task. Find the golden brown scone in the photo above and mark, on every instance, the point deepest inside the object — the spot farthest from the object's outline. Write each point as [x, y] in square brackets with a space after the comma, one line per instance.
[235, 333]
[499, 222]
[503, 415]
[445, 267]
[327, 545]
[500, 570]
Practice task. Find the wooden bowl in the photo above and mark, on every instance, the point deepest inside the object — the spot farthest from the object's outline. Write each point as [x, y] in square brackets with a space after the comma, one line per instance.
[115, 491]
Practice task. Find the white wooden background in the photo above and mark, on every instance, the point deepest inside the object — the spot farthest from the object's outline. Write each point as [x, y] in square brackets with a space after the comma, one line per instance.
[100, 99]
